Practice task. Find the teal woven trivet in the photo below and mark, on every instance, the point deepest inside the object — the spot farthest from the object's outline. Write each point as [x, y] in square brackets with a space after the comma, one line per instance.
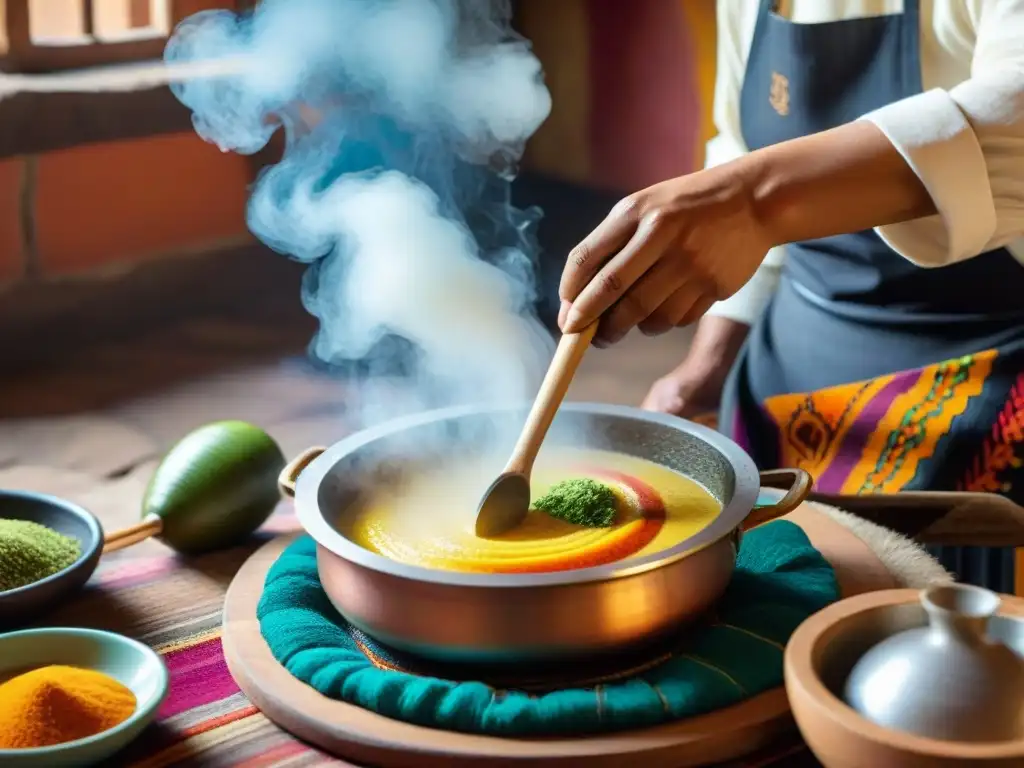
[780, 580]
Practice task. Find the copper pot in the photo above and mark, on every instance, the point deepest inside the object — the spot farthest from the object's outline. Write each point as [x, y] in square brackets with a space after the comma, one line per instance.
[474, 617]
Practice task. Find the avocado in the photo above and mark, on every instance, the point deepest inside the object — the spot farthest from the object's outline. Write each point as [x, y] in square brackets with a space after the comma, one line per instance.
[215, 487]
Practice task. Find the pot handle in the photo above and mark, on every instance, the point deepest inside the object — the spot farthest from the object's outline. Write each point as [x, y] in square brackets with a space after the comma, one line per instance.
[290, 474]
[797, 484]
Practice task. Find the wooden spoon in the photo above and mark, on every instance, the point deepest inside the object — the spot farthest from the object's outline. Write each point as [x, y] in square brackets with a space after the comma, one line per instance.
[506, 502]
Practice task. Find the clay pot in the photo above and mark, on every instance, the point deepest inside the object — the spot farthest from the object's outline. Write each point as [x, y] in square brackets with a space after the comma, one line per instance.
[820, 657]
[949, 680]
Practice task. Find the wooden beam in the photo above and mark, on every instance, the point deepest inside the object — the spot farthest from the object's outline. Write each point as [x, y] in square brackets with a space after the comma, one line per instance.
[140, 14]
[88, 18]
[38, 122]
[4, 41]
[31, 123]
[16, 27]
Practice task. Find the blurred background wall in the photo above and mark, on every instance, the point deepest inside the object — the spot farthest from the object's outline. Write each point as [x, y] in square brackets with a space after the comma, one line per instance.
[632, 84]
[93, 184]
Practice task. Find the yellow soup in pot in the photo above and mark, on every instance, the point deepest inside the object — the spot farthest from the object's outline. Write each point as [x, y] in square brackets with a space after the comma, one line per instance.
[427, 518]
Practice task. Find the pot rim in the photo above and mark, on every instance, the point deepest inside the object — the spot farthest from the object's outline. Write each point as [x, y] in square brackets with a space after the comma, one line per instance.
[746, 489]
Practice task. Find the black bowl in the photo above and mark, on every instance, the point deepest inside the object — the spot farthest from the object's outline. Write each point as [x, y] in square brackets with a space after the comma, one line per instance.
[19, 605]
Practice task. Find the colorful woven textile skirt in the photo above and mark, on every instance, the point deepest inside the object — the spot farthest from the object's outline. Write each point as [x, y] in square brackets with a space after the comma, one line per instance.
[957, 425]
[877, 399]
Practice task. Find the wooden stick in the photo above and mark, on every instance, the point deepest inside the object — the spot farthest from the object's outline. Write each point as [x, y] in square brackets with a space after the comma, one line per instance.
[126, 537]
[568, 354]
[507, 501]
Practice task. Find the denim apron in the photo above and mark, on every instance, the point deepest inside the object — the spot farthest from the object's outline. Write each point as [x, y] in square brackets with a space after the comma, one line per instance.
[869, 372]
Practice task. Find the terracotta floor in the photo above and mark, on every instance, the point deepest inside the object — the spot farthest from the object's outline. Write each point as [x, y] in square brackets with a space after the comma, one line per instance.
[98, 379]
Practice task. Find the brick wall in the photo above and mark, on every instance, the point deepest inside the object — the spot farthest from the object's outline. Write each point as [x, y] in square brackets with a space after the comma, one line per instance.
[103, 206]
[631, 91]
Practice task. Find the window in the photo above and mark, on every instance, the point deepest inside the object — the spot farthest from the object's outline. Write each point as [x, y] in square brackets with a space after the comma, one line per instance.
[80, 22]
[3, 31]
[54, 35]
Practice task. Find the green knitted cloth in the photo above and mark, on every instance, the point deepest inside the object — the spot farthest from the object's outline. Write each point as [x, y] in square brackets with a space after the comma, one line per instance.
[780, 580]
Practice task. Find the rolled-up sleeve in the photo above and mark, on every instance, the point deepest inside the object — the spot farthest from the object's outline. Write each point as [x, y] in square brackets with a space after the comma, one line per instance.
[966, 144]
[735, 22]
[749, 302]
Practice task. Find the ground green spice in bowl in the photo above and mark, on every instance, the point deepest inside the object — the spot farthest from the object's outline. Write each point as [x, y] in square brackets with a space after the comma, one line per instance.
[580, 502]
[30, 552]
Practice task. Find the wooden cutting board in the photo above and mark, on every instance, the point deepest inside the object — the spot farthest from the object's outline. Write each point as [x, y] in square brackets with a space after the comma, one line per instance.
[364, 737]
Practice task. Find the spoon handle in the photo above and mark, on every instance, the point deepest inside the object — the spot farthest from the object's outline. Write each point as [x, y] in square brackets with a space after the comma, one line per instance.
[568, 354]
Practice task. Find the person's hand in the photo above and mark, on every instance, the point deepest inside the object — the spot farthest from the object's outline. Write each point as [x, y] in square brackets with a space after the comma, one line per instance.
[695, 386]
[664, 255]
[687, 391]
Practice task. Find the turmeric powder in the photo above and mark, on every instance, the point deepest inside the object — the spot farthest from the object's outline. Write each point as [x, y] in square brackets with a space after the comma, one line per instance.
[56, 704]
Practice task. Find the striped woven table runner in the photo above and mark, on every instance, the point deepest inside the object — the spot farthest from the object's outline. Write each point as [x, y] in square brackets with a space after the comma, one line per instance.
[174, 605]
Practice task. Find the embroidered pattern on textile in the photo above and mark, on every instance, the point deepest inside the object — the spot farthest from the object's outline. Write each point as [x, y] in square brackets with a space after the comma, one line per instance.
[812, 425]
[871, 436]
[999, 450]
[941, 393]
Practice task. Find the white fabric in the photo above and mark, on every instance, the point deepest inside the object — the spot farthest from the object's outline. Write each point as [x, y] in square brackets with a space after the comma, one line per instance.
[963, 135]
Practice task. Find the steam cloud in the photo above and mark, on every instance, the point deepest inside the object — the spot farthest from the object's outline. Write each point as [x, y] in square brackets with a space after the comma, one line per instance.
[403, 122]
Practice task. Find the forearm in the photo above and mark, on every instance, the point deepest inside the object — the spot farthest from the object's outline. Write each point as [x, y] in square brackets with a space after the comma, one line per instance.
[844, 180]
[715, 346]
